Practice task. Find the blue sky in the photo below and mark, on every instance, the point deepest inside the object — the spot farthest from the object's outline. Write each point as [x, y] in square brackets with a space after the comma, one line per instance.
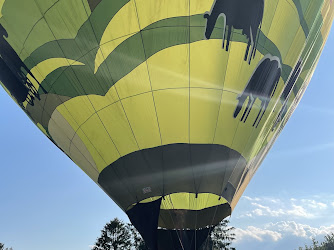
[47, 202]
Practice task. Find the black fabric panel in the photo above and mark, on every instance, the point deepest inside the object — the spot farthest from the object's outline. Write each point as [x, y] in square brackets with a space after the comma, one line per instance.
[228, 192]
[191, 219]
[182, 239]
[178, 172]
[144, 216]
[174, 168]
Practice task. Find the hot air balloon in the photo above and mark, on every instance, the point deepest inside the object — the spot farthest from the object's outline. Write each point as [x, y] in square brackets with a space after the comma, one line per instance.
[169, 106]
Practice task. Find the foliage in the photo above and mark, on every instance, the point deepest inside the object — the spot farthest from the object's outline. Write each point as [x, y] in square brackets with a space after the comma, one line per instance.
[119, 235]
[2, 247]
[137, 241]
[327, 244]
[221, 237]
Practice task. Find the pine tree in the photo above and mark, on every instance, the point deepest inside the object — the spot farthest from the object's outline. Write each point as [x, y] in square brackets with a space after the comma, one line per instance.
[221, 237]
[115, 235]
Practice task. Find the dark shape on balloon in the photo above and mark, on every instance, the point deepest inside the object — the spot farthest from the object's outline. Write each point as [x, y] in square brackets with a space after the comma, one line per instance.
[287, 92]
[145, 216]
[245, 15]
[183, 239]
[18, 90]
[12, 76]
[93, 4]
[262, 85]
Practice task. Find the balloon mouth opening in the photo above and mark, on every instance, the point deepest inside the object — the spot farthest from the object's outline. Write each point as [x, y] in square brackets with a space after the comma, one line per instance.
[176, 214]
[169, 226]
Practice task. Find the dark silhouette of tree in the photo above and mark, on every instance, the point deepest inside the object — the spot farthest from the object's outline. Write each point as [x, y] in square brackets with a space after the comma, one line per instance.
[137, 241]
[2, 247]
[221, 237]
[118, 235]
[115, 235]
[327, 244]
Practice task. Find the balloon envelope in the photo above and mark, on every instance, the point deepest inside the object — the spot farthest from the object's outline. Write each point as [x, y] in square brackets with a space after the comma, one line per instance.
[169, 106]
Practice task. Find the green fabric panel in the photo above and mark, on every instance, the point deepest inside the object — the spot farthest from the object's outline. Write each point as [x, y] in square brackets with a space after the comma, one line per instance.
[129, 54]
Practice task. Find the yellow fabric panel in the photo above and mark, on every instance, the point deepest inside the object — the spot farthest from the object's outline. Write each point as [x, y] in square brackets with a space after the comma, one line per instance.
[169, 68]
[285, 24]
[296, 47]
[61, 131]
[117, 125]
[78, 159]
[173, 114]
[65, 137]
[150, 11]
[248, 139]
[188, 201]
[76, 110]
[1, 4]
[199, 6]
[141, 114]
[105, 50]
[100, 102]
[42, 129]
[204, 106]
[64, 13]
[61, 109]
[35, 40]
[134, 83]
[268, 15]
[41, 70]
[238, 71]
[328, 14]
[121, 26]
[202, 73]
[80, 154]
[226, 124]
[243, 130]
[230, 131]
[124, 24]
[96, 156]
[101, 145]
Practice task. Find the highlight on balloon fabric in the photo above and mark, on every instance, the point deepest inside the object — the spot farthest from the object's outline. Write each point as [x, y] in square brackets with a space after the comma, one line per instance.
[169, 106]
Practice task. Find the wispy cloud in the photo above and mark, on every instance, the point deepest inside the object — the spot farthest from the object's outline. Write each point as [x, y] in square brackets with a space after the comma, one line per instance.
[273, 207]
[282, 223]
[300, 230]
[258, 234]
[277, 231]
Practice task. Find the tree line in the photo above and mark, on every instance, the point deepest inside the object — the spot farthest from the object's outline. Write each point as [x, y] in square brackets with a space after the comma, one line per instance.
[119, 235]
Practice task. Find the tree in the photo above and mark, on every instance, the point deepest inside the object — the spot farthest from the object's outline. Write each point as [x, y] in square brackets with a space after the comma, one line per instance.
[327, 244]
[137, 241]
[221, 237]
[2, 247]
[115, 235]
[119, 235]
